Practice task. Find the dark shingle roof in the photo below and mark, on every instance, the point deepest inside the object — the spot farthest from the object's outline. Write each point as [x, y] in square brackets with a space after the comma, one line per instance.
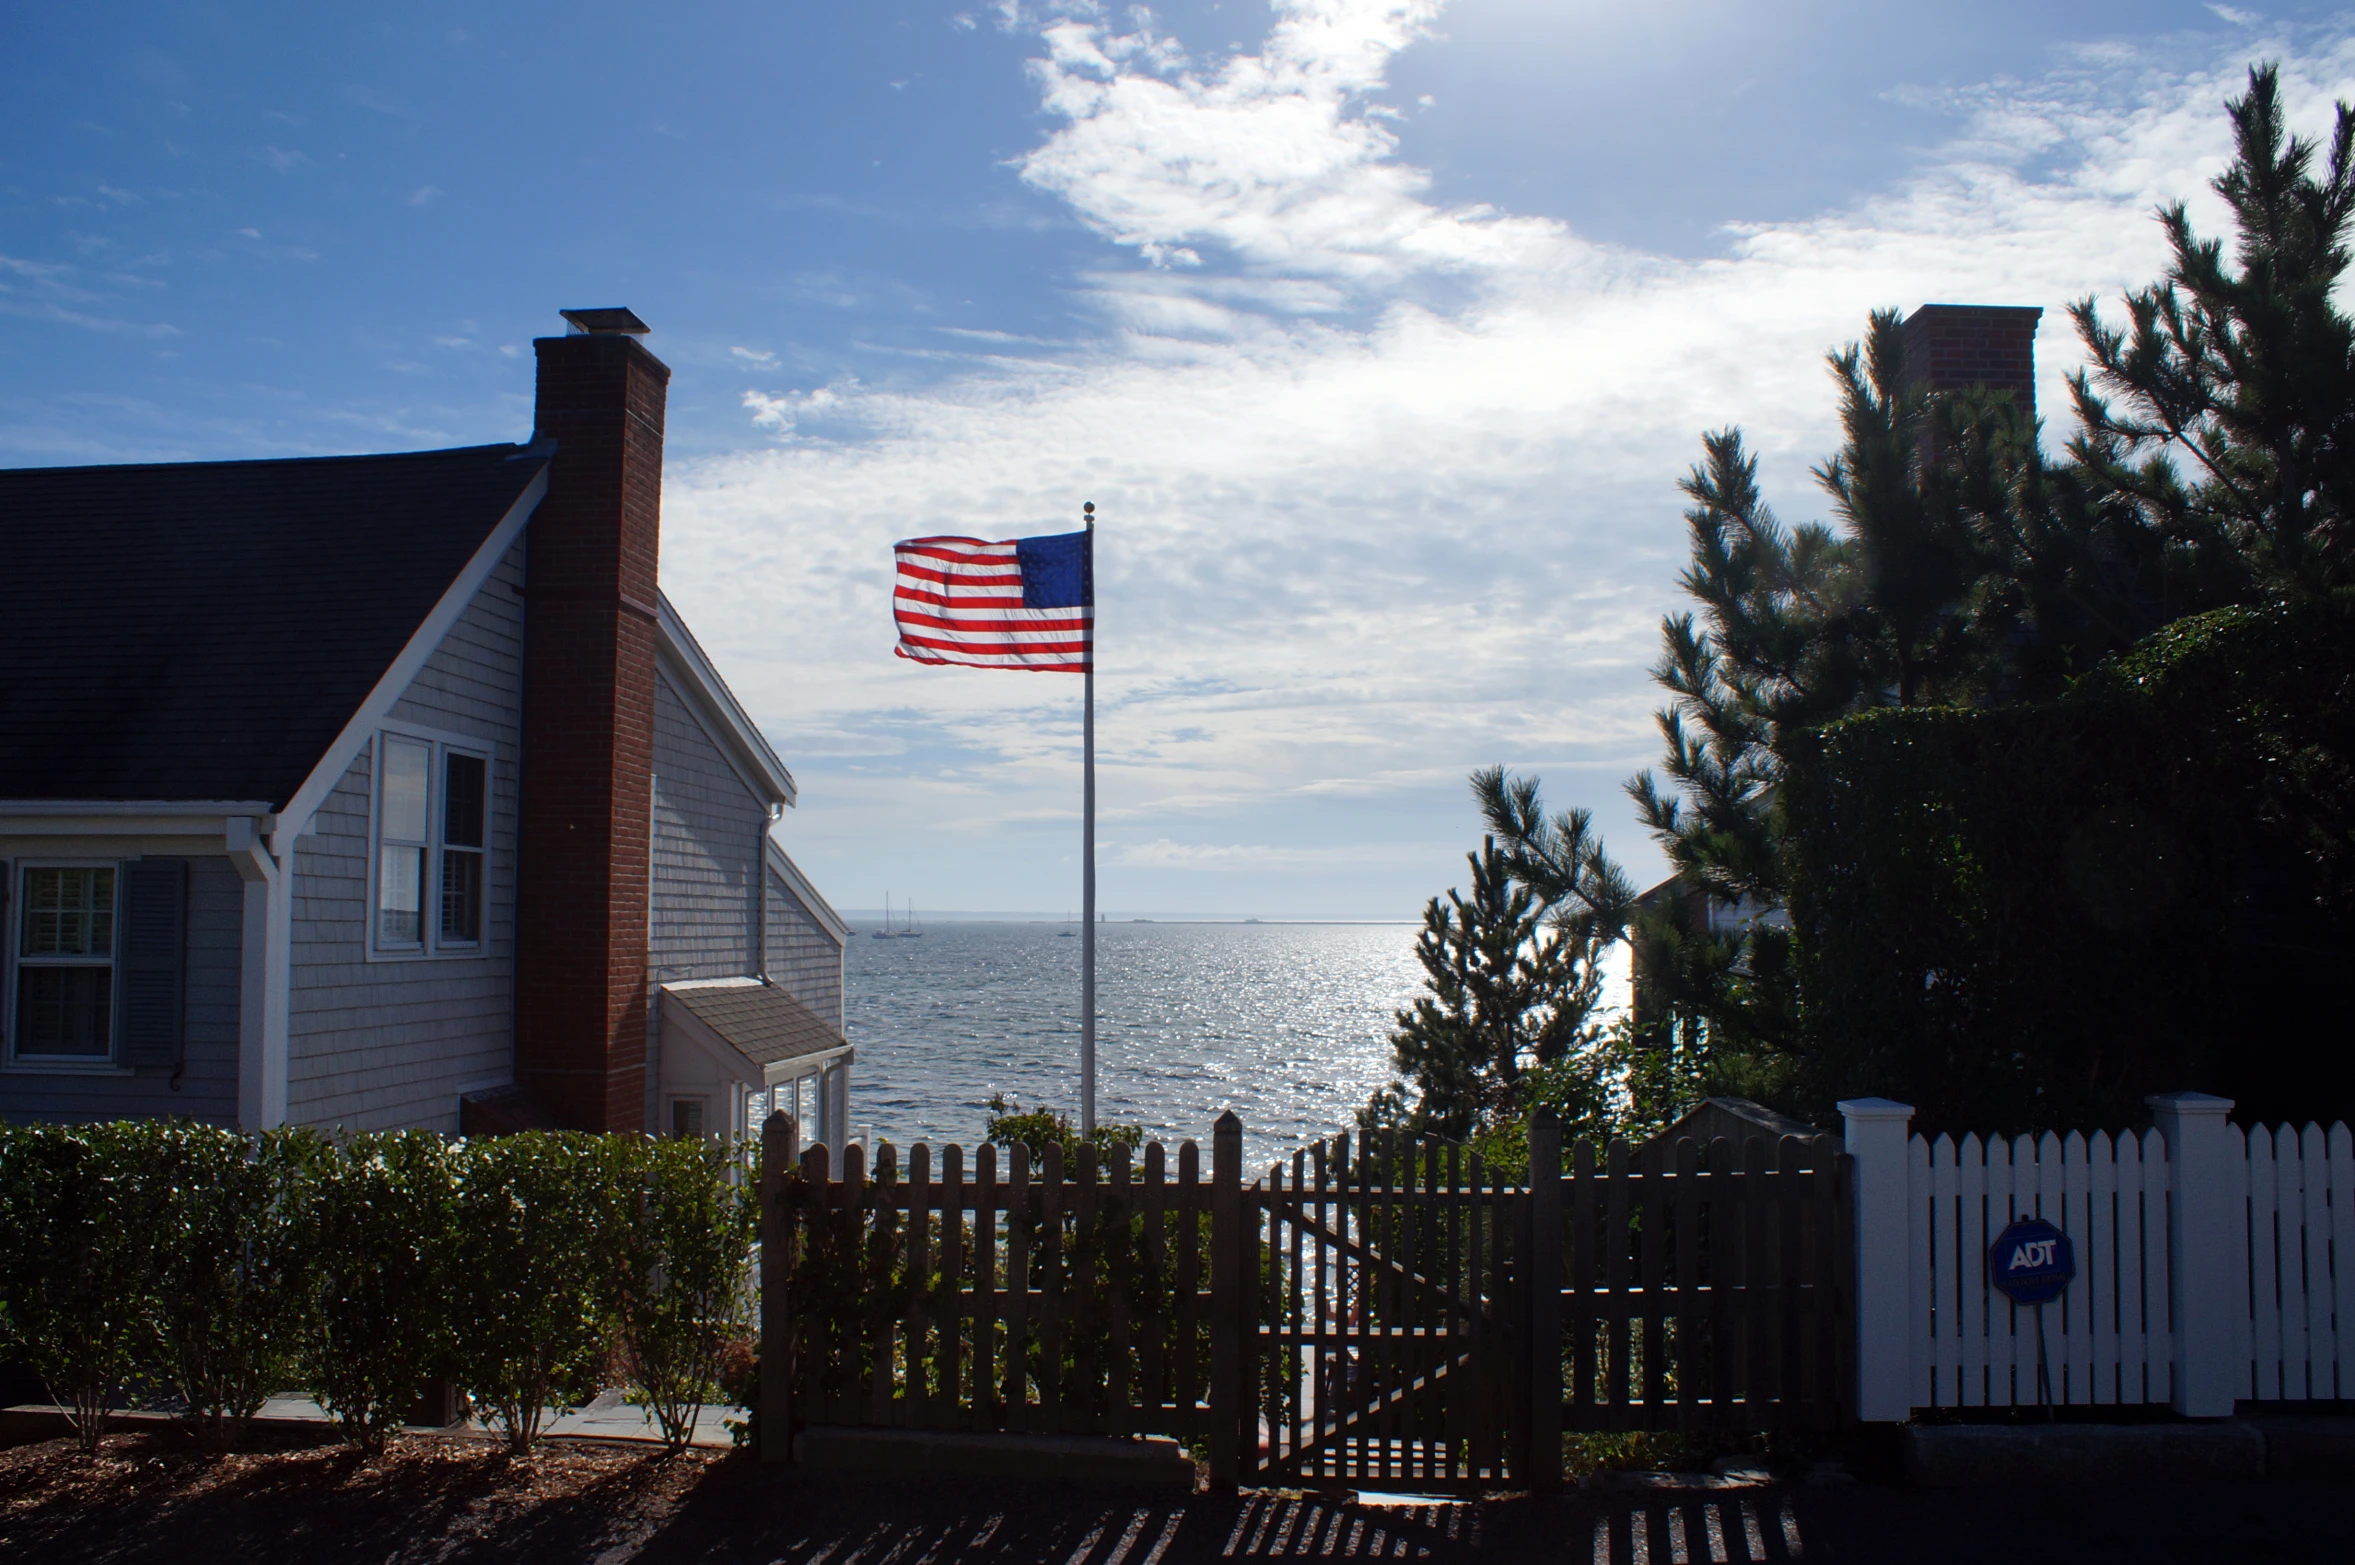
[202, 630]
[764, 1022]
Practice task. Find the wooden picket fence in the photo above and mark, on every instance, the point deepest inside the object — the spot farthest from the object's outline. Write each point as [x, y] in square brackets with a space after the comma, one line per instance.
[1044, 1300]
[1706, 1284]
[1376, 1310]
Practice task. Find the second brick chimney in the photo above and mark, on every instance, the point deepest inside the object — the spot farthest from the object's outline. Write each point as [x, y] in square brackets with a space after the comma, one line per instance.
[1954, 346]
[588, 727]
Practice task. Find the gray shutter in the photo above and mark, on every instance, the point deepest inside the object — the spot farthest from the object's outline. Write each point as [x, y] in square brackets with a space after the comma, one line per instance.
[153, 955]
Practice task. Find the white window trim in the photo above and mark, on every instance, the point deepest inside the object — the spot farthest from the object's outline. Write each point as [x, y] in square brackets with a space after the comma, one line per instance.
[430, 946]
[108, 1064]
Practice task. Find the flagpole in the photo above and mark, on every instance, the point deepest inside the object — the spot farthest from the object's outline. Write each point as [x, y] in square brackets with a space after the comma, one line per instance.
[1087, 950]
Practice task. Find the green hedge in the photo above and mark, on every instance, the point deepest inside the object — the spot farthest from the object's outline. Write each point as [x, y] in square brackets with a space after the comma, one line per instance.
[528, 1270]
[2031, 917]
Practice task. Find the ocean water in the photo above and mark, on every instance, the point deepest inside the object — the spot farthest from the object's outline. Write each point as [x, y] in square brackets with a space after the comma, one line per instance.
[1286, 1024]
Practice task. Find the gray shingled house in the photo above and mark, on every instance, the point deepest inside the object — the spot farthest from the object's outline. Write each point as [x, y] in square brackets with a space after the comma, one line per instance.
[381, 791]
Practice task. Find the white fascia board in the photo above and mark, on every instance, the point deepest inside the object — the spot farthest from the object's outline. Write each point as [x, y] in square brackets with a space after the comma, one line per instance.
[805, 1065]
[405, 668]
[683, 659]
[782, 866]
[199, 818]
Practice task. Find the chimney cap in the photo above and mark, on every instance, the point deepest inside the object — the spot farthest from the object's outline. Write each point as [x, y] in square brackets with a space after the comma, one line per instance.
[616, 322]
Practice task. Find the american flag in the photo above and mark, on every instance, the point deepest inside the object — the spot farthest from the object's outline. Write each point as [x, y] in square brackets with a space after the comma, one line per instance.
[1017, 603]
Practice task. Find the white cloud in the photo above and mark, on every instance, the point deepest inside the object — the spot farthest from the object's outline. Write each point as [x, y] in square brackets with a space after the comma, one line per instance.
[1387, 486]
[754, 355]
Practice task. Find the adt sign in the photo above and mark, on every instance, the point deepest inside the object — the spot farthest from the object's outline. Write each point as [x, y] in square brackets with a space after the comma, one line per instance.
[2032, 1261]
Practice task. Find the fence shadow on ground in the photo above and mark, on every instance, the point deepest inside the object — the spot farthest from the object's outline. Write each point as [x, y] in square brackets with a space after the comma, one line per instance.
[150, 1503]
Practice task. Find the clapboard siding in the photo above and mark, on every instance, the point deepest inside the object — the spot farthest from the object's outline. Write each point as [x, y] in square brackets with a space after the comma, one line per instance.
[207, 1087]
[382, 1045]
[708, 838]
[803, 957]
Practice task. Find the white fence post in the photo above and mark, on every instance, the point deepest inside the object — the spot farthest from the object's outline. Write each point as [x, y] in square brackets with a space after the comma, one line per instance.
[1875, 1130]
[2208, 1247]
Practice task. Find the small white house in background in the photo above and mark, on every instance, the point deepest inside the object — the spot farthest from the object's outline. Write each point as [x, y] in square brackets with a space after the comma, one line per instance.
[387, 791]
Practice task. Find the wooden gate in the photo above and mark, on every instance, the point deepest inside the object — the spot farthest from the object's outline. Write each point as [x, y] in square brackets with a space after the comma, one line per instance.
[1392, 1338]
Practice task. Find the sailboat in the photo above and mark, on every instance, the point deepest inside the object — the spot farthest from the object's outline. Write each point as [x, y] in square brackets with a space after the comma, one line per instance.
[886, 932]
[1066, 931]
[911, 930]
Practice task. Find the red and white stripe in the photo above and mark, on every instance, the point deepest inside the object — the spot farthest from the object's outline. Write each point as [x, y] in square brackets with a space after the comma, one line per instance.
[959, 600]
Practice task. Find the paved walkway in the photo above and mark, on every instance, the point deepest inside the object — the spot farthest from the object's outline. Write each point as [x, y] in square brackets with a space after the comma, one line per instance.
[607, 1418]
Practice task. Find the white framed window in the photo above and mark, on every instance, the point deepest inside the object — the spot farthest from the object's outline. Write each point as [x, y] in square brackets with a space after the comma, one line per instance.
[62, 1004]
[428, 880]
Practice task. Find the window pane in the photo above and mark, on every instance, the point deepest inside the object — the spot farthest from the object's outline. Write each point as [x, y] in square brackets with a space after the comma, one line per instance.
[686, 1116]
[461, 895]
[400, 896]
[462, 801]
[69, 912]
[407, 766]
[65, 1010]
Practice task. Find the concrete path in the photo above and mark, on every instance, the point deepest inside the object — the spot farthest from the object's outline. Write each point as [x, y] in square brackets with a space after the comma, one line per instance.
[607, 1418]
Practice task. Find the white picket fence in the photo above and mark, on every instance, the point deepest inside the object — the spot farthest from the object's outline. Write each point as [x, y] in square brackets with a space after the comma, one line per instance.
[2213, 1265]
[2301, 1263]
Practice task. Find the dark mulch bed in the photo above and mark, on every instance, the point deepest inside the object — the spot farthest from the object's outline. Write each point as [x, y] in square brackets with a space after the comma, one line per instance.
[151, 1496]
[148, 1496]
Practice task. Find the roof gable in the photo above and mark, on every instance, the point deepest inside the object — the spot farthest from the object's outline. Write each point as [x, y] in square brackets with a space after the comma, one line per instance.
[205, 630]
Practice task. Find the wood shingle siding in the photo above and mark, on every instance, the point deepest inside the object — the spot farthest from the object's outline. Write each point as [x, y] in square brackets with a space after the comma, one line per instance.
[804, 958]
[382, 1044]
[707, 845]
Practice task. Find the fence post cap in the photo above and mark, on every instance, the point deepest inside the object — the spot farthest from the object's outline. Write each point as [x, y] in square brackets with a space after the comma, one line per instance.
[2202, 1103]
[1227, 1124]
[1871, 1110]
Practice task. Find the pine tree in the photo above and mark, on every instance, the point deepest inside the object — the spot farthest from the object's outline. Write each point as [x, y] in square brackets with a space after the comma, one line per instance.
[1511, 981]
[2241, 376]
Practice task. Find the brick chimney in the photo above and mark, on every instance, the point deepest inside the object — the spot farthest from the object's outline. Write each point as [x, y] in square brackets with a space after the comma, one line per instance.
[1953, 346]
[588, 727]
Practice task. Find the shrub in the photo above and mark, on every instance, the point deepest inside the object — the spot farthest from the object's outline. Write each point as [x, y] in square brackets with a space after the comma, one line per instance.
[1012, 1125]
[78, 1259]
[237, 1266]
[382, 1229]
[537, 1214]
[683, 1263]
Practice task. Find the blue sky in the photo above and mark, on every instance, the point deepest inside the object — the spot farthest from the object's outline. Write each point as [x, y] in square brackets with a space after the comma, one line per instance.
[1379, 333]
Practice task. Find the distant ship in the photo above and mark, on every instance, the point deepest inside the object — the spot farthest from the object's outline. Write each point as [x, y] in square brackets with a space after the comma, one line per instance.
[1066, 932]
[911, 930]
[886, 932]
